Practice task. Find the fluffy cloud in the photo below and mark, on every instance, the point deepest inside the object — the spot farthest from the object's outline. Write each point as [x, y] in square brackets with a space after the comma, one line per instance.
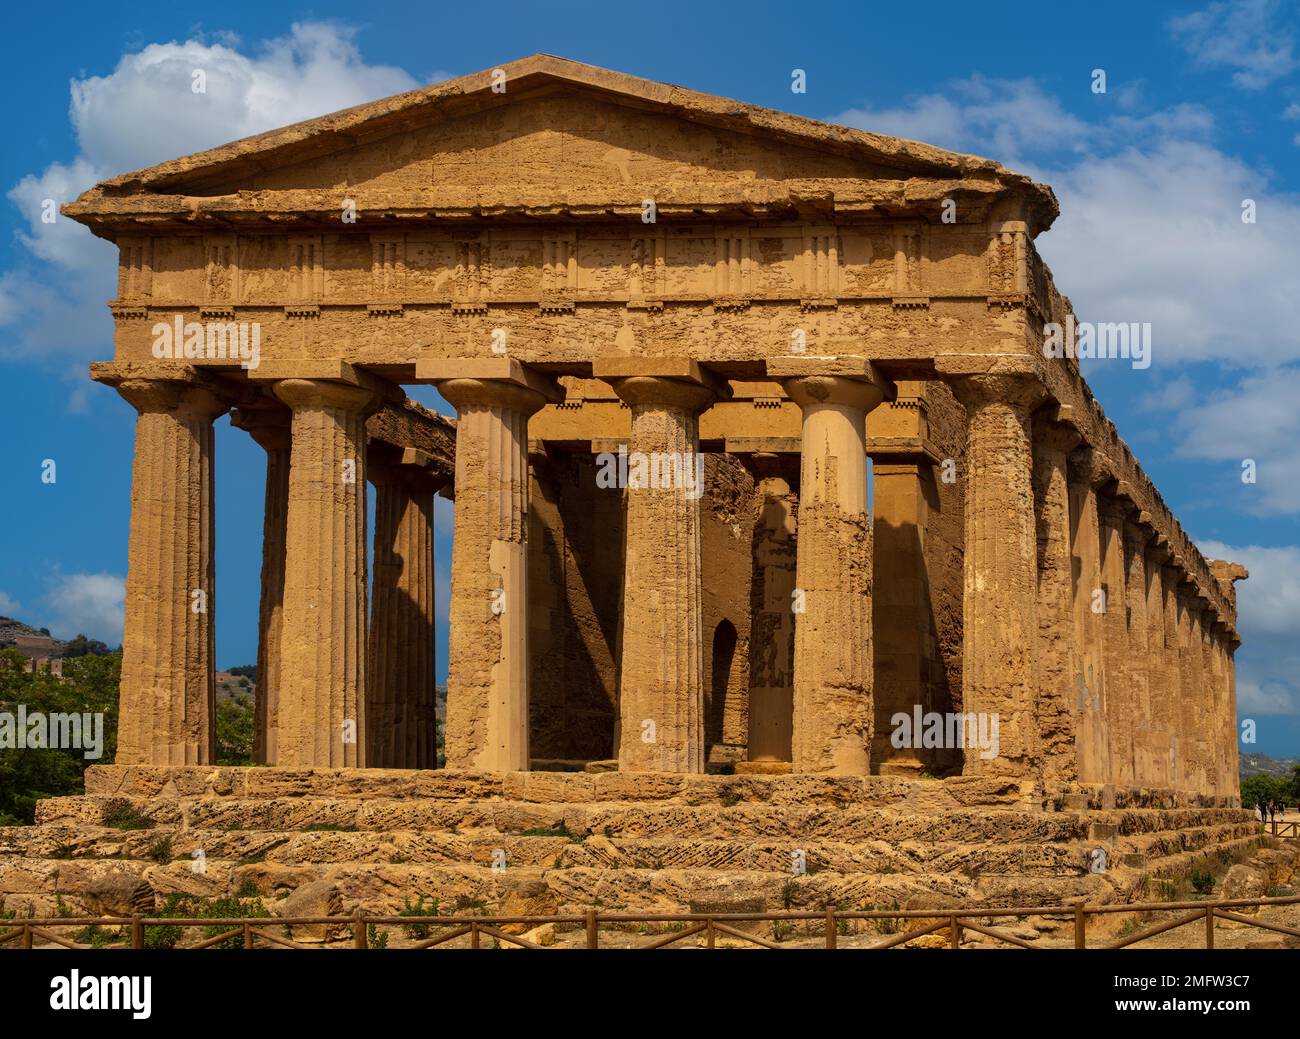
[9, 606]
[1151, 215]
[147, 111]
[143, 112]
[1250, 36]
[89, 604]
[1268, 617]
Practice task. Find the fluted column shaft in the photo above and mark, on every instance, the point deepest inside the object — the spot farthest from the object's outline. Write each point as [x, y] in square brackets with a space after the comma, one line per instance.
[1058, 713]
[1234, 738]
[1209, 719]
[323, 629]
[271, 429]
[834, 713]
[661, 672]
[1120, 710]
[1194, 772]
[999, 616]
[1159, 690]
[400, 725]
[1178, 765]
[167, 692]
[1135, 543]
[1087, 473]
[487, 684]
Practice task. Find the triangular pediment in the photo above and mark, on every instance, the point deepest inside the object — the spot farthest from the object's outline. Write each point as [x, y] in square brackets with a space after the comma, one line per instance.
[545, 132]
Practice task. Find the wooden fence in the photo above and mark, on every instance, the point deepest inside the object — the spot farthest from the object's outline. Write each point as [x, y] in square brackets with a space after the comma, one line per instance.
[711, 925]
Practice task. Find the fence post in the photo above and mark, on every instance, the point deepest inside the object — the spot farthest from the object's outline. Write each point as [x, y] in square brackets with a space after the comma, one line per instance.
[359, 930]
[709, 931]
[593, 930]
[248, 936]
[1209, 927]
[27, 936]
[473, 936]
[954, 932]
[830, 928]
[137, 932]
[1080, 926]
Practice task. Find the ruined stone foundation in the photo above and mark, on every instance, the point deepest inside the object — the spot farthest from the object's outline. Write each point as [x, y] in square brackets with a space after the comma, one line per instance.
[617, 841]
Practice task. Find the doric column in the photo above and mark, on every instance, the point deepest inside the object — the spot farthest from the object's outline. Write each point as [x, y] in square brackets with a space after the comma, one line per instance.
[1089, 471]
[1223, 739]
[1178, 745]
[1136, 536]
[487, 683]
[1192, 747]
[904, 634]
[1000, 624]
[1159, 686]
[1208, 722]
[400, 725]
[167, 693]
[323, 617]
[771, 666]
[270, 428]
[1058, 707]
[1120, 711]
[661, 672]
[1234, 760]
[833, 661]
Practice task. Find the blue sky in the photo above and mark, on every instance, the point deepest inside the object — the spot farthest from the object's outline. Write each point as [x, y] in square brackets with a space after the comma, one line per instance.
[1201, 111]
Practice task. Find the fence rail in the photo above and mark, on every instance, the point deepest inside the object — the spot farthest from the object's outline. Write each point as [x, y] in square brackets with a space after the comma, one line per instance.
[711, 925]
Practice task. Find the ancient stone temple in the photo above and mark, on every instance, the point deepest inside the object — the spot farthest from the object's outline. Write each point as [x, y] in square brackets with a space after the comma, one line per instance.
[767, 493]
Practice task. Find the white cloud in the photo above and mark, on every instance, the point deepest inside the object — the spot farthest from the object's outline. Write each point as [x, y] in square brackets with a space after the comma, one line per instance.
[1268, 602]
[1268, 617]
[1251, 36]
[9, 606]
[89, 604]
[1255, 419]
[145, 112]
[1151, 215]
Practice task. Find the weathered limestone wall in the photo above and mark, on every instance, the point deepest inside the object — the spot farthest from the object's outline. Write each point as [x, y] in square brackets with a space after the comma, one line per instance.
[729, 510]
[575, 580]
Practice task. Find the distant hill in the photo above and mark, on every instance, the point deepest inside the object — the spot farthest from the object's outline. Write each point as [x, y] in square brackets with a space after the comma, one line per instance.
[1262, 765]
[31, 642]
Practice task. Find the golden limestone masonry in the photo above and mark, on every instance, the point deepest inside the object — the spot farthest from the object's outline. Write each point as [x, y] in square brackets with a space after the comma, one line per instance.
[779, 536]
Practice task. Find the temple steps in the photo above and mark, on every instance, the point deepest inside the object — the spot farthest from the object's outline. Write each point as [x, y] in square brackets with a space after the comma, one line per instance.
[648, 841]
[631, 819]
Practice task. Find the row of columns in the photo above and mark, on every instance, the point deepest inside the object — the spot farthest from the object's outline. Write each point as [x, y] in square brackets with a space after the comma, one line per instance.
[330, 693]
[1081, 633]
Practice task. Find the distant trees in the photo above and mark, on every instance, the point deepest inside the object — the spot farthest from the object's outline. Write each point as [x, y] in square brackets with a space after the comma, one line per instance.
[248, 671]
[82, 646]
[235, 731]
[1257, 788]
[89, 685]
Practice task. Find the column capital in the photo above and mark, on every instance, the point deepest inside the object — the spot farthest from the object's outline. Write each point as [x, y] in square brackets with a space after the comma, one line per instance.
[666, 382]
[270, 427]
[319, 394]
[1137, 532]
[192, 399]
[1055, 436]
[501, 382]
[1089, 466]
[409, 469]
[845, 380]
[1158, 549]
[979, 381]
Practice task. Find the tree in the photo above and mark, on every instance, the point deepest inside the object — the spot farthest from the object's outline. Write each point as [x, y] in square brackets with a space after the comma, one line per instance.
[89, 685]
[1257, 788]
[235, 731]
